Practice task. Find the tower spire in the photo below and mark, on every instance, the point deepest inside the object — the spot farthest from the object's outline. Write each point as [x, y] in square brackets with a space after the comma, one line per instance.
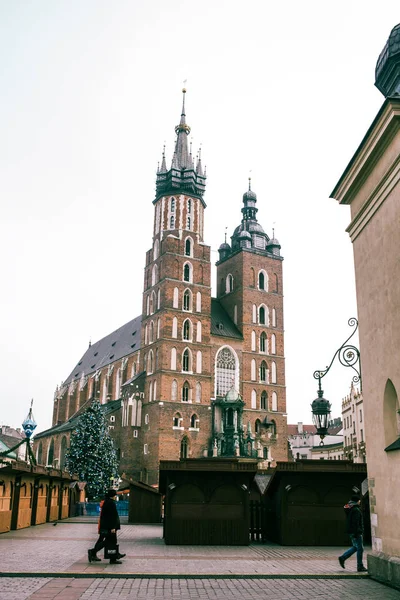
[181, 147]
[184, 176]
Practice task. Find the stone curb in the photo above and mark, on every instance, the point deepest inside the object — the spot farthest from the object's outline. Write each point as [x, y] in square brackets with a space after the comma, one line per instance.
[122, 575]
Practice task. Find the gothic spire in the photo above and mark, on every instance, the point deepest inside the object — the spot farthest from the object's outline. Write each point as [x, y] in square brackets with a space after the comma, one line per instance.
[181, 147]
[163, 168]
[183, 176]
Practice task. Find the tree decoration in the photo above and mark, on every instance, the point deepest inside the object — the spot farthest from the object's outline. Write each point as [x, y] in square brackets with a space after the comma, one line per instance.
[91, 455]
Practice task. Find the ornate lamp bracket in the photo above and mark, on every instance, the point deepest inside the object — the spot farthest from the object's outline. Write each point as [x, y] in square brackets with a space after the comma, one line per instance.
[348, 355]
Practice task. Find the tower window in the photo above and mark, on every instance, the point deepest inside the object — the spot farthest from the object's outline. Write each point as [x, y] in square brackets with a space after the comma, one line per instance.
[194, 422]
[188, 247]
[189, 205]
[184, 447]
[185, 392]
[177, 420]
[186, 361]
[187, 272]
[172, 222]
[187, 329]
[187, 296]
[188, 223]
[172, 204]
[261, 314]
[229, 284]
[263, 342]
[264, 399]
[263, 371]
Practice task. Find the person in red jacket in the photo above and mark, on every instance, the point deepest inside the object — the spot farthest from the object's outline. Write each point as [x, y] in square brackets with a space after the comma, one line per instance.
[355, 528]
[109, 524]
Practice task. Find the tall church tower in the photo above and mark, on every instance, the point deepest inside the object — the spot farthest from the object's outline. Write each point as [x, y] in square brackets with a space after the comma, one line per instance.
[249, 287]
[175, 338]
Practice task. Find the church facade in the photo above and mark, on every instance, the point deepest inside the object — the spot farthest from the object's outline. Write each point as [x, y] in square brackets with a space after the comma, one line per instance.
[192, 376]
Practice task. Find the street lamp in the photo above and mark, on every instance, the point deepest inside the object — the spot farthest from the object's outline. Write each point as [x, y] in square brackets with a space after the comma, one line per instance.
[349, 356]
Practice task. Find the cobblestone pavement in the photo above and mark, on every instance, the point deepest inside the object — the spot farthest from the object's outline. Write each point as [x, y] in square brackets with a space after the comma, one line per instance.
[196, 589]
[173, 572]
[49, 549]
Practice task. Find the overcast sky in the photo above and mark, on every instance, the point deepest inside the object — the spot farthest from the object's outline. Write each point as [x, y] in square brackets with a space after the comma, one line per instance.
[91, 90]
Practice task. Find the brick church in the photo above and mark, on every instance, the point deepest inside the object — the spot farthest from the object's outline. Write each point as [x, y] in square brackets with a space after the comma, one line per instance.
[192, 376]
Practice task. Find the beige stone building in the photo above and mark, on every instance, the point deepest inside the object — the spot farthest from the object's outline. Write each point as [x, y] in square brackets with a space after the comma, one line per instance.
[370, 185]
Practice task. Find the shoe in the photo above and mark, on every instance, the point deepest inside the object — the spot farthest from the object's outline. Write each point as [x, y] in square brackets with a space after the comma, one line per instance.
[362, 569]
[90, 555]
[341, 562]
[115, 562]
[121, 555]
[95, 558]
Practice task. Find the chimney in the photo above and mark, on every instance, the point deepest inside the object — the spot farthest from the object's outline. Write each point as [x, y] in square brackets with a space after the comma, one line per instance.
[300, 427]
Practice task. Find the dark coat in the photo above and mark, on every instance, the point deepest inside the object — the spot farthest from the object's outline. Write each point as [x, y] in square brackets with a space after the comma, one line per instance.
[109, 517]
[354, 519]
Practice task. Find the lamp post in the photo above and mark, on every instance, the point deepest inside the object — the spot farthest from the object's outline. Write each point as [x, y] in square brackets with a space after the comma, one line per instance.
[349, 356]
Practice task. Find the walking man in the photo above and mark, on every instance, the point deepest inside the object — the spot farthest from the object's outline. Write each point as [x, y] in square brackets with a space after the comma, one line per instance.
[109, 525]
[355, 528]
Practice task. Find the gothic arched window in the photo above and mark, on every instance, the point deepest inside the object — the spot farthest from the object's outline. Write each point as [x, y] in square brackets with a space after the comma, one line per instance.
[263, 342]
[184, 448]
[194, 422]
[172, 222]
[274, 401]
[198, 392]
[226, 371]
[188, 247]
[186, 361]
[50, 454]
[172, 204]
[273, 344]
[187, 329]
[187, 272]
[189, 205]
[188, 223]
[264, 401]
[229, 284]
[177, 420]
[185, 392]
[261, 315]
[174, 391]
[39, 456]
[263, 371]
[187, 300]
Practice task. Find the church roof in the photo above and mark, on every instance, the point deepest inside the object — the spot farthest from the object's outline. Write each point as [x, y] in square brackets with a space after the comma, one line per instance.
[71, 423]
[112, 347]
[126, 340]
[221, 323]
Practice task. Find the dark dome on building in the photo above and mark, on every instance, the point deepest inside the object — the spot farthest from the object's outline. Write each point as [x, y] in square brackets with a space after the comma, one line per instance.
[249, 195]
[225, 246]
[387, 72]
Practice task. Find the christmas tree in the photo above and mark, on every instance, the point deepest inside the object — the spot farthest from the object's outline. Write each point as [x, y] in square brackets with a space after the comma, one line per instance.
[91, 454]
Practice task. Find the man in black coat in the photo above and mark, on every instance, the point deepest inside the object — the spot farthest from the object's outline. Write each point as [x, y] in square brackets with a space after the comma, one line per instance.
[108, 527]
[355, 528]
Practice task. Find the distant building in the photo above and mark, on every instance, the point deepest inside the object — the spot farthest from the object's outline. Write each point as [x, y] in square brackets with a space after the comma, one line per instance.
[353, 426]
[9, 437]
[304, 441]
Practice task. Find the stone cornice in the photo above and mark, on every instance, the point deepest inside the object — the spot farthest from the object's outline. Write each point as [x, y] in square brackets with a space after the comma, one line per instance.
[379, 135]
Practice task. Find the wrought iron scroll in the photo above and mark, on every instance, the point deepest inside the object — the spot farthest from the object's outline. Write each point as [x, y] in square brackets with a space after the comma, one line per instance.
[348, 355]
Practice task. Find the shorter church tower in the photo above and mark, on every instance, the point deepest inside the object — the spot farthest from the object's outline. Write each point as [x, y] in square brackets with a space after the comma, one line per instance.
[249, 288]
